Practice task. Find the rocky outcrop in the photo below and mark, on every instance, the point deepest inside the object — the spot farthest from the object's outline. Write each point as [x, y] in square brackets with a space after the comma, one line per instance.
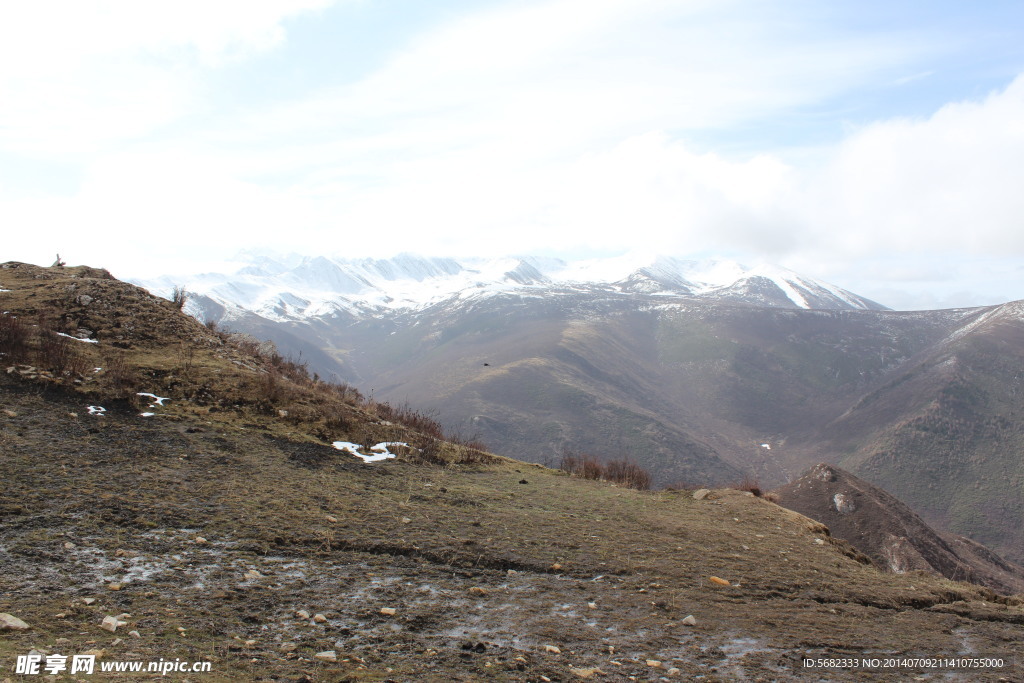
[890, 533]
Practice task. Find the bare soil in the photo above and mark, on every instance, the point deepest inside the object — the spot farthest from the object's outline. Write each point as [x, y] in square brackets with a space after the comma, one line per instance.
[483, 566]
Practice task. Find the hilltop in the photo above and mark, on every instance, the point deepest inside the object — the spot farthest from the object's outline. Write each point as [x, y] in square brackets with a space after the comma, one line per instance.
[206, 508]
[889, 532]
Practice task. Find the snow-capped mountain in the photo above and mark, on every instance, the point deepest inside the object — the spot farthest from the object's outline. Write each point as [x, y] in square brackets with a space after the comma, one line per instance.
[293, 288]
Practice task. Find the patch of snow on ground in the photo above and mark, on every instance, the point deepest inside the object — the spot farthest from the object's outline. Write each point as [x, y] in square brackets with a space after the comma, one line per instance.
[766, 446]
[377, 453]
[97, 410]
[87, 341]
[157, 400]
[147, 414]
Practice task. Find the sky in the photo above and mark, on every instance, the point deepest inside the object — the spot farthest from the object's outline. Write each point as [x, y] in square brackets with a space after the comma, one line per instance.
[876, 145]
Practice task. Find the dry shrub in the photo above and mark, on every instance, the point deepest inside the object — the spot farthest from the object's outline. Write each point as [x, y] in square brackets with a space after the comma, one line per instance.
[621, 472]
[628, 474]
[271, 388]
[186, 358]
[121, 376]
[179, 295]
[13, 339]
[346, 393]
[582, 465]
[56, 353]
[749, 484]
[431, 453]
[413, 419]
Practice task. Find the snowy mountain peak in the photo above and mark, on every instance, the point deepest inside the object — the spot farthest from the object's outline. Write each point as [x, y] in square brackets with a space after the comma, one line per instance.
[290, 287]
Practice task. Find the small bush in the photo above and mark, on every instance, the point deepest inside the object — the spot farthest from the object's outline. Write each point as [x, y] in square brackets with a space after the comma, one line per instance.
[749, 484]
[179, 295]
[413, 419]
[621, 472]
[56, 353]
[13, 339]
[628, 474]
[121, 376]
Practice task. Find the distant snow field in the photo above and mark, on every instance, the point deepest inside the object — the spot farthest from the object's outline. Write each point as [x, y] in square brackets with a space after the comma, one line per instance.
[292, 287]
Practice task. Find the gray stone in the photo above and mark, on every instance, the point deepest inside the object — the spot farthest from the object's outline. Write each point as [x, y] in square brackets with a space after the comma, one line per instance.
[9, 622]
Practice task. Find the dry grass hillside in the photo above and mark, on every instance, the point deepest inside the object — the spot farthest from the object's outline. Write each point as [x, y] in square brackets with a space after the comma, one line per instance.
[224, 527]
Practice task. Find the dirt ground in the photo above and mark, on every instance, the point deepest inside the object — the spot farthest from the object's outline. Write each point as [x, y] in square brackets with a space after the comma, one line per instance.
[217, 534]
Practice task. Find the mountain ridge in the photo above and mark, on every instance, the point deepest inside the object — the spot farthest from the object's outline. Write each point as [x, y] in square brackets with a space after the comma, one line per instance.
[304, 287]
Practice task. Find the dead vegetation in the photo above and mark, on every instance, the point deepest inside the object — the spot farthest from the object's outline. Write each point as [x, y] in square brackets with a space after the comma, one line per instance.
[623, 472]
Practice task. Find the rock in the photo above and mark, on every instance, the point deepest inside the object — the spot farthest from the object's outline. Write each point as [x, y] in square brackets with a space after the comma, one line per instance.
[10, 413]
[552, 649]
[819, 541]
[592, 605]
[319, 618]
[720, 582]
[654, 663]
[9, 622]
[84, 299]
[328, 656]
[585, 673]
[88, 601]
[388, 611]
[331, 519]
[701, 494]
[68, 545]
[689, 621]
[405, 520]
[556, 567]
[302, 614]
[843, 504]
[134, 634]
[673, 671]
[252, 575]
[477, 590]
[111, 623]
[113, 586]
[287, 647]
[201, 541]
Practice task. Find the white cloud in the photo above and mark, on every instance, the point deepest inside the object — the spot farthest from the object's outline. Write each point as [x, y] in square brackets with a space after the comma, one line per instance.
[950, 182]
[557, 125]
[76, 77]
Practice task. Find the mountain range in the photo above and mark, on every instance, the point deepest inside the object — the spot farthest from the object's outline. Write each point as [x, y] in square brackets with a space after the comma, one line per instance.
[293, 287]
[701, 372]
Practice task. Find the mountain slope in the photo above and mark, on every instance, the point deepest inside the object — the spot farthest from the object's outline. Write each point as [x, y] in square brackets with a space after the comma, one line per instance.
[889, 532]
[219, 526]
[945, 433]
[699, 372]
